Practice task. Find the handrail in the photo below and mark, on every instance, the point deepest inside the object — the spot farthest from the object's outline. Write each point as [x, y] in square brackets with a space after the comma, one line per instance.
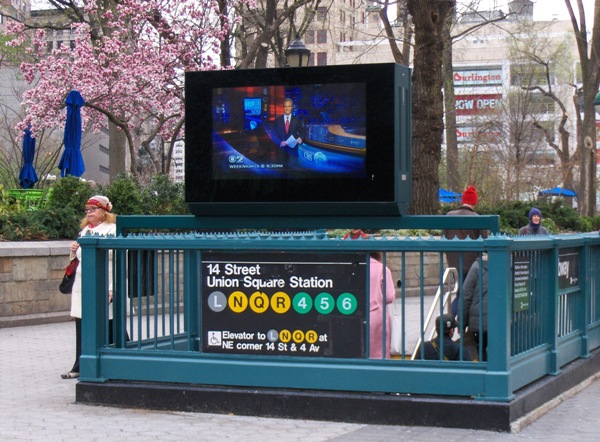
[160, 222]
[448, 294]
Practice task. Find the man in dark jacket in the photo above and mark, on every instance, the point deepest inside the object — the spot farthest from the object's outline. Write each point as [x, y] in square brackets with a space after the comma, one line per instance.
[475, 305]
[469, 201]
[289, 128]
[432, 349]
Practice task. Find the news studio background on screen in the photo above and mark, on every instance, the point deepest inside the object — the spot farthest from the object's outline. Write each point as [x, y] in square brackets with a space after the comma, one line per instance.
[331, 141]
[346, 150]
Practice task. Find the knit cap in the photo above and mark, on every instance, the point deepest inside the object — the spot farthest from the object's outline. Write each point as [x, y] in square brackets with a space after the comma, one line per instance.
[535, 211]
[470, 196]
[100, 201]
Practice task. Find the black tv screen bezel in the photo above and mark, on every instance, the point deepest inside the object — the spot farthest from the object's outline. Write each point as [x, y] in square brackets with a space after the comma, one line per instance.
[374, 194]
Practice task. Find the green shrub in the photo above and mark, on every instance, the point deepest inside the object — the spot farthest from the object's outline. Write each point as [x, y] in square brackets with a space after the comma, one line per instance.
[70, 192]
[9, 204]
[125, 195]
[58, 222]
[163, 197]
[595, 222]
[513, 215]
[48, 223]
[17, 226]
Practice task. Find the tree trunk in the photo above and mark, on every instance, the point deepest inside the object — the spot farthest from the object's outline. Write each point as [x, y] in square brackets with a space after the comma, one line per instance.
[586, 127]
[225, 53]
[117, 160]
[429, 18]
[452, 167]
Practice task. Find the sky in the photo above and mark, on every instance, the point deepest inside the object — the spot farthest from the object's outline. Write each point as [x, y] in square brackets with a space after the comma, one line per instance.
[542, 9]
[545, 9]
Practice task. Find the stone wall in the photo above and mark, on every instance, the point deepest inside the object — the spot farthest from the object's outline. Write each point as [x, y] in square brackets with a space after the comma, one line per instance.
[412, 272]
[30, 273]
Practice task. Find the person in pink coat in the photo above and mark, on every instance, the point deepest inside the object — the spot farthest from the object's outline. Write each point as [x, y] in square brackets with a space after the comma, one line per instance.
[376, 319]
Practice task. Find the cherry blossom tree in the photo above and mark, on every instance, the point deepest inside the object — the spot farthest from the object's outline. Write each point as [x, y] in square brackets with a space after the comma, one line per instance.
[128, 62]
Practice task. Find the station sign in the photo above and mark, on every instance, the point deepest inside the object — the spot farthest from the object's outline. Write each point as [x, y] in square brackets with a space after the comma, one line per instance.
[292, 304]
[521, 283]
[568, 269]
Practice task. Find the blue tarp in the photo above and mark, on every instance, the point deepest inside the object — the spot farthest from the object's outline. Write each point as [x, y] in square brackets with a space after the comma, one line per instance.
[447, 196]
[557, 191]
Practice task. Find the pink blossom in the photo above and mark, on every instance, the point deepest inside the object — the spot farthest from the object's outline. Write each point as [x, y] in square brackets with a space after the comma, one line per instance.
[133, 71]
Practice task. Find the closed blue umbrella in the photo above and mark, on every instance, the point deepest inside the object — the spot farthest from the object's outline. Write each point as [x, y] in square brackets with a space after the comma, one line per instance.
[27, 175]
[71, 162]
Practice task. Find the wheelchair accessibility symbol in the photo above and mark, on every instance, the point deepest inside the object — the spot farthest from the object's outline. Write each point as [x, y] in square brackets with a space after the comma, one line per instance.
[214, 338]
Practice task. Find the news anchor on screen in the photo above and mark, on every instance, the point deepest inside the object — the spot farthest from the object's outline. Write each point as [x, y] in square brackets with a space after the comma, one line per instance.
[289, 129]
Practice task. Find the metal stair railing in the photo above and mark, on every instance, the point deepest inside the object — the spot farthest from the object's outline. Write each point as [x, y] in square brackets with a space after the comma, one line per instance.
[450, 271]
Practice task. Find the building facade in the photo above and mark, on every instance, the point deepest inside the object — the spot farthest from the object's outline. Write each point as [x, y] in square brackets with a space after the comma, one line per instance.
[489, 77]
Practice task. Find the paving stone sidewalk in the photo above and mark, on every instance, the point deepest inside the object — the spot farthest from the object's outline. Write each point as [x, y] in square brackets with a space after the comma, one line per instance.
[36, 404]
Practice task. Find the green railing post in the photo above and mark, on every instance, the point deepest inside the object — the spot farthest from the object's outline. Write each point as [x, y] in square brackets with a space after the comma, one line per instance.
[119, 303]
[585, 272]
[192, 291]
[498, 386]
[94, 269]
[553, 295]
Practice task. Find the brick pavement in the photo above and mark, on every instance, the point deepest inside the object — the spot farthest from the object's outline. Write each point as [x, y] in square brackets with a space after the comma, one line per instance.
[36, 404]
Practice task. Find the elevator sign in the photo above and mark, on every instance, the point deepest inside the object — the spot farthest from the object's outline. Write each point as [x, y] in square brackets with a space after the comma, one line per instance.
[292, 304]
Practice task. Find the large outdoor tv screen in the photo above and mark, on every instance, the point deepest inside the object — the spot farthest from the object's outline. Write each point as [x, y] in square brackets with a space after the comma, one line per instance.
[325, 137]
[328, 140]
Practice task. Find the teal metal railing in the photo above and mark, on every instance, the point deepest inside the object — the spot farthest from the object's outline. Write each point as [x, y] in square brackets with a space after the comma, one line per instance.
[542, 297]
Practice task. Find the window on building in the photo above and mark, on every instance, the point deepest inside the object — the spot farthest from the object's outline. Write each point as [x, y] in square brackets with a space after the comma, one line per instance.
[322, 36]
[548, 128]
[541, 104]
[321, 14]
[577, 70]
[322, 59]
[309, 37]
[530, 75]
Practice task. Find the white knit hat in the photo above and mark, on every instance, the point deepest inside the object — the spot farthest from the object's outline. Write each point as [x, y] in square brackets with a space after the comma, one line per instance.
[100, 201]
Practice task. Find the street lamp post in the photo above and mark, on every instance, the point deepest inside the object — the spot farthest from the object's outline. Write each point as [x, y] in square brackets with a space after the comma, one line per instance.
[296, 54]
